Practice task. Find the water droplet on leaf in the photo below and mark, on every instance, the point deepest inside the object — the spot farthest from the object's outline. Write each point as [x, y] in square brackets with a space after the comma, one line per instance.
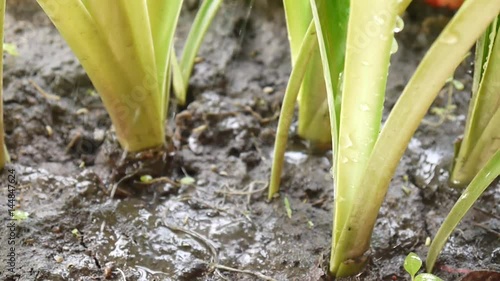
[395, 46]
[400, 24]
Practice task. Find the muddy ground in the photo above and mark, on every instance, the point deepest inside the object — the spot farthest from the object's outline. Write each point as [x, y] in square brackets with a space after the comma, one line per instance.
[67, 162]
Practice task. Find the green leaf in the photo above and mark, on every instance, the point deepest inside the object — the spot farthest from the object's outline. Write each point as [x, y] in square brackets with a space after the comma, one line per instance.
[187, 181]
[288, 107]
[412, 264]
[203, 19]
[483, 120]
[288, 208]
[20, 215]
[427, 277]
[310, 224]
[370, 32]
[146, 178]
[114, 44]
[163, 16]
[457, 84]
[10, 49]
[437, 66]
[313, 116]
[76, 232]
[478, 185]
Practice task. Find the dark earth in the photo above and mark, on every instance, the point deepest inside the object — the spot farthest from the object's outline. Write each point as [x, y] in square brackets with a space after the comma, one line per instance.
[68, 164]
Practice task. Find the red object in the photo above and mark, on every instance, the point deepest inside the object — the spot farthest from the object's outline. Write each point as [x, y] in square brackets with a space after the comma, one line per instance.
[452, 4]
[450, 269]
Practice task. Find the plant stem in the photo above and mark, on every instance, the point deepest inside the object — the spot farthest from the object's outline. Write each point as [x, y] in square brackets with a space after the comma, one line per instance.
[313, 117]
[287, 108]
[449, 49]
[163, 17]
[116, 50]
[369, 41]
[482, 136]
[204, 17]
[481, 181]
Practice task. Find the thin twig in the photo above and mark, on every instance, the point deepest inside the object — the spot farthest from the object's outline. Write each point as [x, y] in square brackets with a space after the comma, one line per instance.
[161, 180]
[214, 254]
[256, 274]
[43, 93]
[123, 274]
[72, 142]
[208, 244]
[206, 204]
[242, 192]
[126, 177]
[250, 192]
[489, 214]
[256, 115]
[487, 229]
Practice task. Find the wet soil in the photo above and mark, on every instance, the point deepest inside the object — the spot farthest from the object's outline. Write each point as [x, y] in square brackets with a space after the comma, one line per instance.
[68, 163]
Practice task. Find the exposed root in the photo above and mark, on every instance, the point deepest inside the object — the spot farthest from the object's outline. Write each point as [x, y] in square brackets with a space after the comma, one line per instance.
[489, 214]
[256, 274]
[444, 113]
[161, 180]
[205, 241]
[487, 229]
[248, 190]
[262, 120]
[122, 273]
[43, 93]
[73, 141]
[222, 210]
[214, 261]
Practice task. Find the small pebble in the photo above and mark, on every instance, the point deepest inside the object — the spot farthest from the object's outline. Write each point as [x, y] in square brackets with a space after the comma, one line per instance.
[99, 134]
[50, 132]
[268, 90]
[82, 111]
[58, 258]
[56, 229]
[198, 59]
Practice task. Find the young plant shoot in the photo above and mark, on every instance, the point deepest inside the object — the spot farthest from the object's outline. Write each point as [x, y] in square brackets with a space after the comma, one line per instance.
[412, 265]
[4, 155]
[364, 156]
[313, 108]
[182, 70]
[482, 130]
[479, 153]
[125, 48]
[481, 181]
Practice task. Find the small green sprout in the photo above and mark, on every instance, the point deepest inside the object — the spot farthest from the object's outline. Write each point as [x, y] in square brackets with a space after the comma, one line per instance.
[310, 224]
[405, 187]
[146, 178]
[428, 241]
[10, 49]
[412, 265]
[446, 112]
[288, 208]
[187, 180]
[91, 92]
[76, 232]
[20, 215]
[457, 84]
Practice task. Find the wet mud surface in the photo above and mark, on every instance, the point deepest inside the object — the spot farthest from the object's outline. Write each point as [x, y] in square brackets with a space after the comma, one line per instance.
[68, 163]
